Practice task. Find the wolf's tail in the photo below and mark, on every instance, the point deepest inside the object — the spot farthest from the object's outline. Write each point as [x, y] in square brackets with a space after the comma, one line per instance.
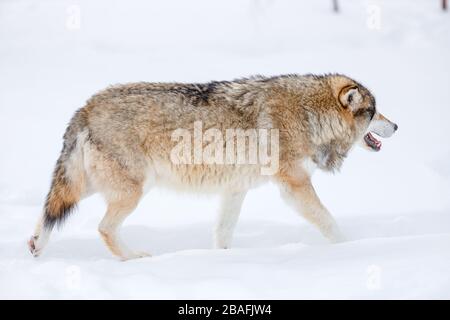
[68, 182]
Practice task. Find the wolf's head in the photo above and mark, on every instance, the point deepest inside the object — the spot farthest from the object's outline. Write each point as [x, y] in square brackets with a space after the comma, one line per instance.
[356, 100]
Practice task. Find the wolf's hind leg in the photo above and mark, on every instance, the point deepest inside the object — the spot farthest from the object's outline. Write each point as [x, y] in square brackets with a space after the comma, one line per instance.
[301, 195]
[231, 204]
[39, 239]
[119, 208]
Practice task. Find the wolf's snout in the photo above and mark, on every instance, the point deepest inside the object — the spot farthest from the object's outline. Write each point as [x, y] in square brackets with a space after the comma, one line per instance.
[383, 128]
[380, 126]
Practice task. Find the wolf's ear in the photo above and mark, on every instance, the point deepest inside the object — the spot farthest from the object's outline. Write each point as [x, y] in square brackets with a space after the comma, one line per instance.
[350, 97]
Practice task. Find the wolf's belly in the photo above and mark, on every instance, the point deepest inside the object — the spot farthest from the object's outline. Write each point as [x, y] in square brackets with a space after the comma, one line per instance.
[207, 178]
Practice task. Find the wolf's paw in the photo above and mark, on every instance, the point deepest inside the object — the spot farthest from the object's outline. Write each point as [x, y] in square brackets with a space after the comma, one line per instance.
[220, 247]
[220, 244]
[135, 255]
[221, 241]
[33, 246]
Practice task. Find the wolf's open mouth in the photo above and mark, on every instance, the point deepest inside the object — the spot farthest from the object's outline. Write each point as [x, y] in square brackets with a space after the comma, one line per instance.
[373, 143]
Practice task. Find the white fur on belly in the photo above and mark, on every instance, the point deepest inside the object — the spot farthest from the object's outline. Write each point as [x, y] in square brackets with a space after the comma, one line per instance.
[309, 166]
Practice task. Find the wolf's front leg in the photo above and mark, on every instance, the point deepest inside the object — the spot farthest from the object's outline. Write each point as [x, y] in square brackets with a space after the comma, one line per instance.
[230, 208]
[300, 193]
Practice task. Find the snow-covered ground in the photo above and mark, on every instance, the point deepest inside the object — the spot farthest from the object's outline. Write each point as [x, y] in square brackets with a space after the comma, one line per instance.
[393, 206]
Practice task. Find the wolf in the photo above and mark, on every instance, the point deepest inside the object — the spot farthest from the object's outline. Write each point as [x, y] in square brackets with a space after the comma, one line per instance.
[120, 143]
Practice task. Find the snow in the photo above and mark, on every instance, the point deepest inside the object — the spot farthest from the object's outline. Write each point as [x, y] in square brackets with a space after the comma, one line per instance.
[393, 206]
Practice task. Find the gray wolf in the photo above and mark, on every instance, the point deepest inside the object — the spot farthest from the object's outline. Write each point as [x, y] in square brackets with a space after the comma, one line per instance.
[120, 144]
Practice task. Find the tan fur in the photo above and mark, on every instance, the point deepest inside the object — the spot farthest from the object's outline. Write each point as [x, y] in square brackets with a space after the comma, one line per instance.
[119, 144]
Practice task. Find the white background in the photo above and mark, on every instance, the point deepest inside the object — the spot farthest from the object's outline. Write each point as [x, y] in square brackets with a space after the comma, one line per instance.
[393, 206]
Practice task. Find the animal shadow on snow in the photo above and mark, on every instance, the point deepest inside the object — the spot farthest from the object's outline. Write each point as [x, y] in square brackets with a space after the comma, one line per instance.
[157, 241]
[249, 234]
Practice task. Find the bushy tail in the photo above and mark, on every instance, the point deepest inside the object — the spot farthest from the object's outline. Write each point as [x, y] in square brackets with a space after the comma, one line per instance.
[62, 197]
[68, 182]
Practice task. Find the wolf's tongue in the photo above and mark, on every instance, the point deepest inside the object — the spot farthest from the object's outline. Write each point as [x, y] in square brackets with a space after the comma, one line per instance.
[372, 142]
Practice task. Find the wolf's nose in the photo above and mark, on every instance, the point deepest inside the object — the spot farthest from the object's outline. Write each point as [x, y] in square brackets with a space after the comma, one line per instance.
[395, 127]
